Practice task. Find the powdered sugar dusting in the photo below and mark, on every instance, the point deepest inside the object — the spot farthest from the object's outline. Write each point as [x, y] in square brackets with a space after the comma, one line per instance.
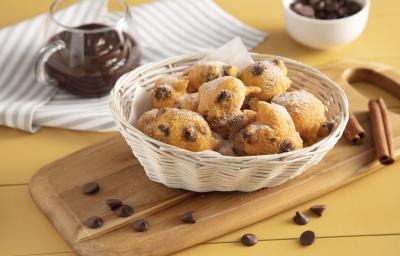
[294, 98]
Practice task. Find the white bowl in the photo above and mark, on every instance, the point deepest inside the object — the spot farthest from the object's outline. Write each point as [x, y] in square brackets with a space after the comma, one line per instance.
[325, 34]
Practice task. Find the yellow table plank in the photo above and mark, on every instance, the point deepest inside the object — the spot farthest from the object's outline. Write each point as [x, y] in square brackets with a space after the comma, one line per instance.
[22, 154]
[352, 210]
[372, 245]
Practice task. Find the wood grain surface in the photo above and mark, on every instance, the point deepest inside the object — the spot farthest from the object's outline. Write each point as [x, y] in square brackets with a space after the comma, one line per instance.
[57, 187]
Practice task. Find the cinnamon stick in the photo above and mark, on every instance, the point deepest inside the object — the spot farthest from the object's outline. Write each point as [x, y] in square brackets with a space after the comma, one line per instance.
[379, 134]
[354, 131]
[387, 125]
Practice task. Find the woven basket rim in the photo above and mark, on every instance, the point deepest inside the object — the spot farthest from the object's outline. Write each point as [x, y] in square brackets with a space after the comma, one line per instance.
[338, 129]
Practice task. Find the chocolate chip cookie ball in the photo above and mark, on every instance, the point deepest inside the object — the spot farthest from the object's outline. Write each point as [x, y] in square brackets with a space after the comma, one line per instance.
[269, 76]
[178, 127]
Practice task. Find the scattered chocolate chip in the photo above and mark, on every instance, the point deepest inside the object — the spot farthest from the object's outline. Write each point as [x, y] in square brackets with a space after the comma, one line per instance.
[90, 188]
[249, 239]
[189, 217]
[318, 209]
[300, 218]
[164, 129]
[257, 68]
[140, 225]
[162, 93]
[94, 222]
[189, 134]
[113, 203]
[286, 146]
[223, 95]
[307, 238]
[123, 211]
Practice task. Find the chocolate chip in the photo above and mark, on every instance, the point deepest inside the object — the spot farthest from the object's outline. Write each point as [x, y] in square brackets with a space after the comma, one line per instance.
[307, 238]
[228, 70]
[223, 95]
[286, 146]
[161, 111]
[320, 6]
[94, 222]
[91, 188]
[189, 217]
[257, 68]
[210, 75]
[300, 218]
[304, 10]
[189, 134]
[353, 7]
[332, 6]
[113, 203]
[328, 125]
[140, 225]
[164, 129]
[247, 136]
[326, 9]
[318, 209]
[162, 93]
[249, 239]
[123, 211]
[331, 16]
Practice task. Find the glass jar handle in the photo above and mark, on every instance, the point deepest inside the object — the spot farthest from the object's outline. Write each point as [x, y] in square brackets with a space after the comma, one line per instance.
[41, 59]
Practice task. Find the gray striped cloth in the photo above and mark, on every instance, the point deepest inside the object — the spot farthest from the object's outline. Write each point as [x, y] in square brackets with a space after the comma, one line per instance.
[167, 28]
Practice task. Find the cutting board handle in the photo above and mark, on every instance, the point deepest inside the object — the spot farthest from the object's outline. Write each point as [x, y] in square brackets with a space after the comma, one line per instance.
[380, 75]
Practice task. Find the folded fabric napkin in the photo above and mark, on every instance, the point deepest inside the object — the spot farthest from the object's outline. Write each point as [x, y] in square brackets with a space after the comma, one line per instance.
[167, 28]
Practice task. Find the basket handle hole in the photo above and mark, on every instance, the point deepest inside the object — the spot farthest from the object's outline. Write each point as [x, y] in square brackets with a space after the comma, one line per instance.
[372, 83]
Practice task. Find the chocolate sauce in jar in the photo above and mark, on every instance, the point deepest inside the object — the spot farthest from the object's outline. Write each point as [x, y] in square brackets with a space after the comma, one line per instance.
[91, 62]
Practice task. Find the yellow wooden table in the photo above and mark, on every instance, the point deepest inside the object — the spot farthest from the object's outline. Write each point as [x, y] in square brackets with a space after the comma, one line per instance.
[361, 219]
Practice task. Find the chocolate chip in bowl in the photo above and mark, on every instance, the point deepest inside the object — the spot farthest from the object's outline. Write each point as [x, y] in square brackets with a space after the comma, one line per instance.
[325, 24]
[326, 9]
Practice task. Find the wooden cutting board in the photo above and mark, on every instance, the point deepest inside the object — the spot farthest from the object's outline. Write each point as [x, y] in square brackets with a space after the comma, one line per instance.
[56, 188]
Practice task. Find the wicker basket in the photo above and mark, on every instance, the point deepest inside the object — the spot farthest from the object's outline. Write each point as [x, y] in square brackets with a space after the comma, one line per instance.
[178, 168]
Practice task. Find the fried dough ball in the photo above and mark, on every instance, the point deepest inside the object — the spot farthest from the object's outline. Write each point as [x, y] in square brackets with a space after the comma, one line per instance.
[308, 114]
[178, 127]
[257, 139]
[278, 118]
[208, 71]
[167, 92]
[273, 132]
[220, 101]
[269, 76]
